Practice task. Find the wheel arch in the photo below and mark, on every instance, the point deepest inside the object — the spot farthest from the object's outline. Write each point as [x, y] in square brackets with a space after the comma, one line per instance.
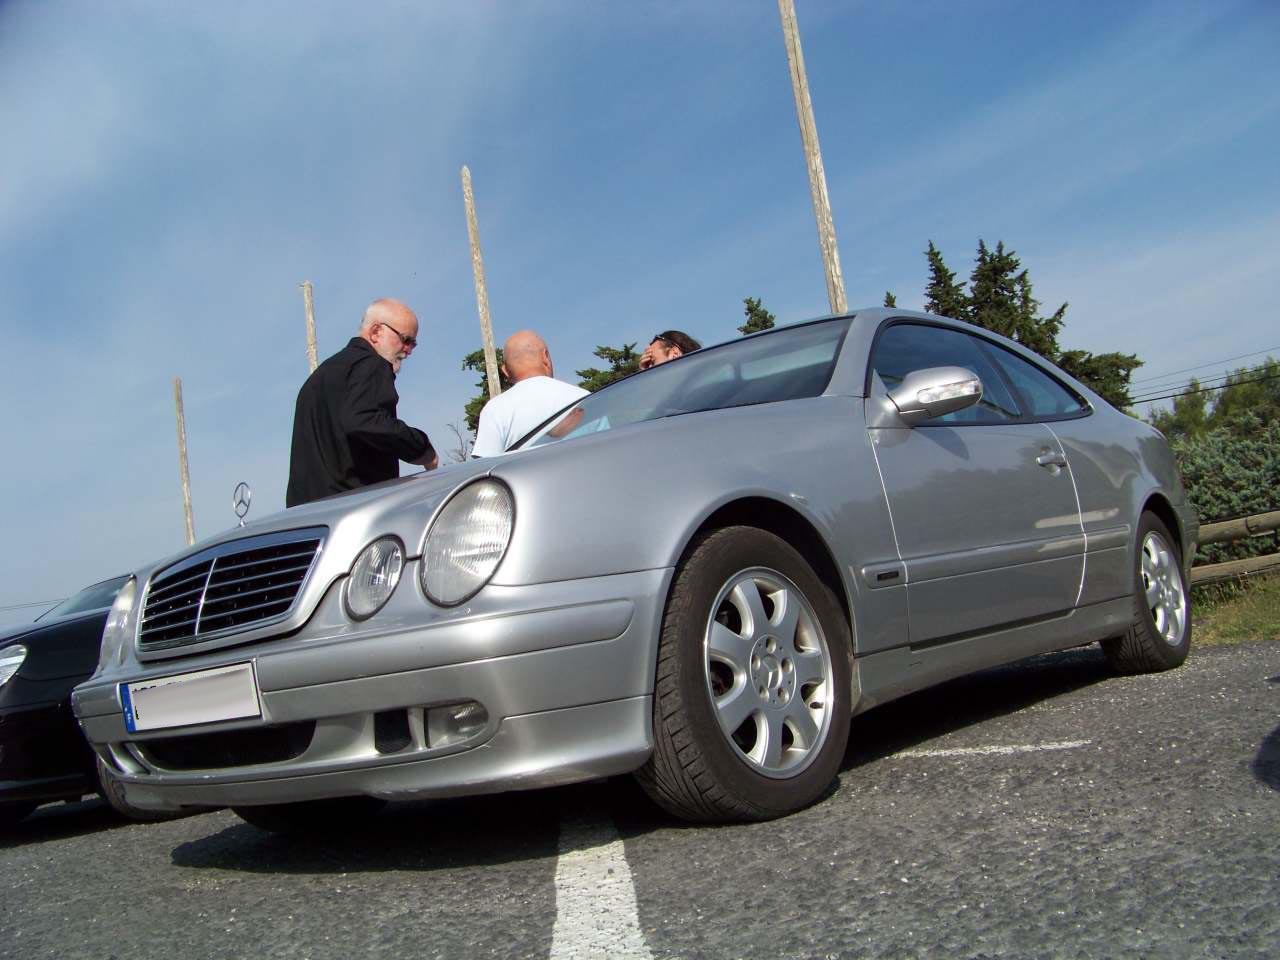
[789, 524]
[1158, 504]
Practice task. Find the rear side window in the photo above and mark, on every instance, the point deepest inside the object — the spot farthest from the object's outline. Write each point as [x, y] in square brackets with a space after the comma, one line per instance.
[906, 347]
[1041, 394]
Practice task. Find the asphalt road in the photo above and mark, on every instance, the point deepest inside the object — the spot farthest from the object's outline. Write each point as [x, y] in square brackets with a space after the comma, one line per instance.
[1046, 809]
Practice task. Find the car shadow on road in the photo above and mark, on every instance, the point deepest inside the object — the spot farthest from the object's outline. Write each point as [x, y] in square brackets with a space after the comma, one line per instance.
[59, 821]
[1266, 765]
[977, 698]
[422, 835]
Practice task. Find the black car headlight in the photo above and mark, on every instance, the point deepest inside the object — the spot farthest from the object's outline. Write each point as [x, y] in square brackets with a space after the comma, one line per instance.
[119, 625]
[11, 658]
[467, 542]
[374, 577]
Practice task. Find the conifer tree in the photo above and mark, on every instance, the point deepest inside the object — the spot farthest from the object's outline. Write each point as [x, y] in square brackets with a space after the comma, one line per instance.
[944, 295]
[1000, 299]
[993, 290]
[758, 318]
[622, 363]
[890, 300]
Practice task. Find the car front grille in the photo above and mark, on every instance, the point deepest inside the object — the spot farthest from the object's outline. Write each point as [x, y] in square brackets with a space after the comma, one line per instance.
[230, 587]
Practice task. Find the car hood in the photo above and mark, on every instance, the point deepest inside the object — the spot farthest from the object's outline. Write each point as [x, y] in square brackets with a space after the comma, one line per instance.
[400, 507]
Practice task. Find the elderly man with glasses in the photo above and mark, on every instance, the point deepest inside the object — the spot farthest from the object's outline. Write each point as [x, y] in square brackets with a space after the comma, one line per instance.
[345, 431]
[667, 346]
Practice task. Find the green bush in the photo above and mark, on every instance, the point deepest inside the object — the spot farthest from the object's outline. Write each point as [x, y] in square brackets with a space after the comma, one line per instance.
[1229, 472]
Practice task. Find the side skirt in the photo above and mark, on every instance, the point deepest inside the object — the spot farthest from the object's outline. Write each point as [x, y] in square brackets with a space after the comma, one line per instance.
[890, 674]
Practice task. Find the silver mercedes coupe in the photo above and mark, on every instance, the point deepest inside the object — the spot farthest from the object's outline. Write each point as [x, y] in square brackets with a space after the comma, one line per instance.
[696, 575]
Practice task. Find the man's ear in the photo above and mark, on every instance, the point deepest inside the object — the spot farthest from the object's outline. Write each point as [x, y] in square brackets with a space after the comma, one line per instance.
[502, 368]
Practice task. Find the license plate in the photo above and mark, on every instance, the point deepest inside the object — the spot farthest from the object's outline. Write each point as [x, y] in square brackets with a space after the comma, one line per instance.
[203, 696]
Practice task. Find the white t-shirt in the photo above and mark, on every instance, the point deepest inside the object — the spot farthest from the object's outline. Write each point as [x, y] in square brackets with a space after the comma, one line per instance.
[510, 415]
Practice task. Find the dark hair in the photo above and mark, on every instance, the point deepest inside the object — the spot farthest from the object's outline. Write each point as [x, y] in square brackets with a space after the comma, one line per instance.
[682, 340]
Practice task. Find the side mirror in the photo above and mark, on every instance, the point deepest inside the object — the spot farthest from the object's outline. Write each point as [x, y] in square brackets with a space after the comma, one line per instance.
[926, 394]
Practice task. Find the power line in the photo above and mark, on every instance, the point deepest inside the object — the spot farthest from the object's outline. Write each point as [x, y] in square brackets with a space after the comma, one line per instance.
[1214, 363]
[1169, 396]
[1218, 380]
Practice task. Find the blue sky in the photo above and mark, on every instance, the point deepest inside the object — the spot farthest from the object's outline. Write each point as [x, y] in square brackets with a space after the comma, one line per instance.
[169, 173]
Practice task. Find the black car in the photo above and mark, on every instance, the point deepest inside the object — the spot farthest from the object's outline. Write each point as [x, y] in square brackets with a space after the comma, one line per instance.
[43, 755]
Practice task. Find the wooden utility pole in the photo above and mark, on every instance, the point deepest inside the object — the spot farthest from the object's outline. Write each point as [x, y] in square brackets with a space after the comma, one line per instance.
[813, 156]
[311, 323]
[182, 460]
[482, 296]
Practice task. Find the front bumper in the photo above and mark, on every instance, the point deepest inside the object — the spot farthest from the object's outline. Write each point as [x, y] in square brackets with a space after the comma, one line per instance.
[564, 672]
[43, 755]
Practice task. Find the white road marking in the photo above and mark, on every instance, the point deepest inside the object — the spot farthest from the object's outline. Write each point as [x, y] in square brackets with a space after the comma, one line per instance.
[983, 751]
[595, 899]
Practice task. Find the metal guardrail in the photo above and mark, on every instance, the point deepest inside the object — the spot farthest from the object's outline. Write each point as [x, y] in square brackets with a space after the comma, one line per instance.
[1237, 529]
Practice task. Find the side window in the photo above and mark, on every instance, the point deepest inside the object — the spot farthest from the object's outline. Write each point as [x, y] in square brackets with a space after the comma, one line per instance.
[1045, 396]
[906, 347]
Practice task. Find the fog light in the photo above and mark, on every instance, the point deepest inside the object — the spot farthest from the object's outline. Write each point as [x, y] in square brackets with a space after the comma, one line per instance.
[455, 723]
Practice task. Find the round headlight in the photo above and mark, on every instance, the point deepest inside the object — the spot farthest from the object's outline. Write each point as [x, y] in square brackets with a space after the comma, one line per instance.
[466, 543]
[374, 576]
[119, 623]
[11, 658]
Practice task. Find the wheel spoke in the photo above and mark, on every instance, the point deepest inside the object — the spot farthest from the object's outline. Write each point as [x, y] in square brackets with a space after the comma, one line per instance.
[809, 668]
[771, 756]
[786, 618]
[746, 597]
[803, 726]
[735, 706]
[731, 648]
[1148, 564]
[1153, 593]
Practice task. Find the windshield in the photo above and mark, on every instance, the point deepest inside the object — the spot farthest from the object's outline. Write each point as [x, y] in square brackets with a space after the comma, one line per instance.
[98, 597]
[784, 364]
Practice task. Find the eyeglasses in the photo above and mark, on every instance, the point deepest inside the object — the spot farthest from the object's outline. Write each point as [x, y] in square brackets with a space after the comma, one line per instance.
[669, 343]
[409, 342]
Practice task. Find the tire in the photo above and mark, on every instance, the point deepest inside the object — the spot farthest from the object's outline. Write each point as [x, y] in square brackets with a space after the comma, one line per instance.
[1160, 635]
[751, 698]
[312, 816]
[14, 812]
[112, 791]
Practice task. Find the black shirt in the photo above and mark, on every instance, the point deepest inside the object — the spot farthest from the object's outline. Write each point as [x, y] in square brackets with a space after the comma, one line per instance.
[345, 431]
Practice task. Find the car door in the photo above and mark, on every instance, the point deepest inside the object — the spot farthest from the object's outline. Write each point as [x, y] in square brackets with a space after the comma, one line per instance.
[982, 500]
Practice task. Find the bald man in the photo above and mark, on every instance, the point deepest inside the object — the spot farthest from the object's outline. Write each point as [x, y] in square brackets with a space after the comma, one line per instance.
[532, 397]
[345, 431]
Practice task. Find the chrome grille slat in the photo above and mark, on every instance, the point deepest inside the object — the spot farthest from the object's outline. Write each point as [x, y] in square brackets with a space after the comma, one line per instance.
[215, 583]
[257, 606]
[195, 576]
[174, 598]
[224, 566]
[161, 614]
[228, 588]
[211, 601]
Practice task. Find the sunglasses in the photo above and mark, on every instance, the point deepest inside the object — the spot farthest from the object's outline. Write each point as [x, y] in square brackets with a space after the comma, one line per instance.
[658, 336]
[409, 342]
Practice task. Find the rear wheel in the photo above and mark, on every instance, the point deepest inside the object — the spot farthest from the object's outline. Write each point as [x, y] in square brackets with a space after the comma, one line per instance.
[311, 816]
[751, 705]
[1160, 635]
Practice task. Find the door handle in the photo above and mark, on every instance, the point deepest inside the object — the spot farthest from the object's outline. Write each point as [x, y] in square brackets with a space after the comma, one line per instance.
[1051, 458]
